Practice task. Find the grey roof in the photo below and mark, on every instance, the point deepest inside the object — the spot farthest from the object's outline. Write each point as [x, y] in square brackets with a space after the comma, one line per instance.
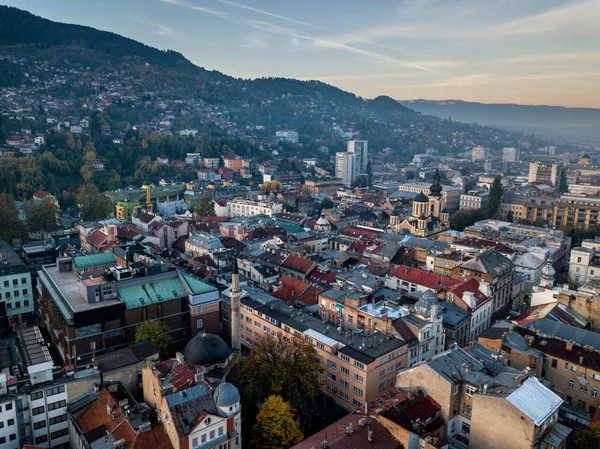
[421, 198]
[535, 400]
[186, 405]
[206, 349]
[417, 242]
[491, 262]
[454, 316]
[226, 395]
[9, 256]
[569, 333]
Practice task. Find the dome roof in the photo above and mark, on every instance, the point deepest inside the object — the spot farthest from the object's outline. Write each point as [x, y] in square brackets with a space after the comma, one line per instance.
[421, 198]
[226, 395]
[206, 350]
[322, 221]
[428, 299]
[548, 271]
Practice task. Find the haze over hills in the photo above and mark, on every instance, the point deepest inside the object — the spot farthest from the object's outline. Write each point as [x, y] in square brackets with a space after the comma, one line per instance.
[573, 125]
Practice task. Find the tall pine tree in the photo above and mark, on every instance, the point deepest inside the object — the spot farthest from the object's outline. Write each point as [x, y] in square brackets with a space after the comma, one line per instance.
[495, 197]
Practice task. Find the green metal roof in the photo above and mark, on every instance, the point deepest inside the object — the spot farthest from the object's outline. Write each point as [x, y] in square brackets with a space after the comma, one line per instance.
[152, 293]
[197, 286]
[93, 260]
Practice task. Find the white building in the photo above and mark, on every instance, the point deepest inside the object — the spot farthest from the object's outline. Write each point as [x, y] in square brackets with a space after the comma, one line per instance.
[188, 132]
[450, 194]
[360, 149]
[287, 136]
[479, 154]
[583, 265]
[246, 208]
[9, 431]
[426, 324]
[169, 209]
[531, 265]
[16, 291]
[346, 167]
[511, 154]
[544, 172]
[474, 199]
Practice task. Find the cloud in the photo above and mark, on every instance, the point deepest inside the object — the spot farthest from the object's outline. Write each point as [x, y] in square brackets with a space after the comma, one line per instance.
[254, 42]
[203, 9]
[161, 30]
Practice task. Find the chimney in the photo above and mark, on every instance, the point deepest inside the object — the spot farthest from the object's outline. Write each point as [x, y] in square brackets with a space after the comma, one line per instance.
[370, 436]
[581, 360]
[569, 346]
[484, 287]
[179, 357]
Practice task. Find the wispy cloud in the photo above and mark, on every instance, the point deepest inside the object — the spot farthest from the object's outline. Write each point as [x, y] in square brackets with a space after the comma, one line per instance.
[254, 42]
[214, 12]
[161, 30]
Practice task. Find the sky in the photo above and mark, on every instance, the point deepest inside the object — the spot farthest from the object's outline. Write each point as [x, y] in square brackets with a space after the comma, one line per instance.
[491, 51]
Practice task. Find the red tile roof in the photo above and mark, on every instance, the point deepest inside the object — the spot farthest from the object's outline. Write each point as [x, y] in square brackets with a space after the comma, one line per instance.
[475, 242]
[318, 276]
[182, 376]
[145, 217]
[472, 285]
[357, 232]
[297, 263]
[424, 278]
[40, 194]
[98, 238]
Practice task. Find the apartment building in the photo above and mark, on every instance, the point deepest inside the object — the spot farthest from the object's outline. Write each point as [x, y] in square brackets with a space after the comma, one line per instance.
[16, 292]
[346, 167]
[407, 279]
[576, 211]
[450, 194]
[238, 207]
[511, 154]
[475, 298]
[474, 199]
[89, 304]
[479, 154]
[287, 136]
[541, 172]
[360, 149]
[9, 431]
[321, 186]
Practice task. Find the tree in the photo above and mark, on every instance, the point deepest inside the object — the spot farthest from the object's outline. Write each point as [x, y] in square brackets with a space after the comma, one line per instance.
[42, 217]
[562, 184]
[369, 174]
[114, 182]
[326, 204]
[271, 187]
[10, 225]
[587, 438]
[2, 131]
[465, 217]
[157, 333]
[92, 204]
[86, 172]
[206, 206]
[495, 197]
[510, 216]
[275, 427]
[290, 368]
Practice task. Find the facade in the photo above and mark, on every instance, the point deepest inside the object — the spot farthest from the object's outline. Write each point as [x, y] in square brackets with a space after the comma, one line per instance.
[360, 149]
[450, 194]
[544, 172]
[89, 304]
[322, 186]
[346, 167]
[9, 432]
[474, 199]
[574, 211]
[511, 155]
[584, 264]
[473, 297]
[16, 291]
[479, 154]
[247, 208]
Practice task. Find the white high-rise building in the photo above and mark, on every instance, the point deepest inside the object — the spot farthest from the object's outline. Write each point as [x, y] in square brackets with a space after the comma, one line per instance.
[360, 148]
[511, 154]
[479, 154]
[346, 167]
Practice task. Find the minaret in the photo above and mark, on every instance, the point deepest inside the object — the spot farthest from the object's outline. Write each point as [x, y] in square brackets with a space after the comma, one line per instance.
[236, 293]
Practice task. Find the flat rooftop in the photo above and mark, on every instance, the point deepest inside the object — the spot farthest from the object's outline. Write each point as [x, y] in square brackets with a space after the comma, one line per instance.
[7, 254]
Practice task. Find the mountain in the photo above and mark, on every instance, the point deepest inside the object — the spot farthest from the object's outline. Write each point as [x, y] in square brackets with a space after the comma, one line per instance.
[581, 125]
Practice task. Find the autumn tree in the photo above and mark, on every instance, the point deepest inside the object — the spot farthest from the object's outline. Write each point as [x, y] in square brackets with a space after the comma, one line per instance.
[206, 206]
[156, 333]
[42, 217]
[587, 438]
[271, 187]
[495, 197]
[287, 367]
[10, 225]
[275, 427]
[92, 204]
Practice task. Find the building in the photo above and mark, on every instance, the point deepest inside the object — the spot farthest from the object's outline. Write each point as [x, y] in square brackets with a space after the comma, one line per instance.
[584, 264]
[287, 136]
[9, 432]
[16, 291]
[234, 163]
[238, 207]
[511, 155]
[346, 167]
[473, 297]
[321, 186]
[429, 213]
[479, 154]
[574, 211]
[541, 172]
[297, 267]
[360, 149]
[89, 304]
[474, 199]
[451, 194]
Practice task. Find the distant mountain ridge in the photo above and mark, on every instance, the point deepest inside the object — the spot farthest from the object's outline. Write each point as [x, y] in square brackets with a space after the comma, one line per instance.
[556, 122]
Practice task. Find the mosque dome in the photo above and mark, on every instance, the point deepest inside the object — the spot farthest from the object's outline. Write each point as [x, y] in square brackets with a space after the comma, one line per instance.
[206, 349]
[226, 395]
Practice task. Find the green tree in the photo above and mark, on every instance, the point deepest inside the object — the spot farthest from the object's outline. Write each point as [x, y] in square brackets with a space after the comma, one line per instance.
[42, 217]
[290, 368]
[275, 427]
[2, 131]
[206, 206]
[92, 204]
[114, 181]
[562, 184]
[157, 333]
[495, 197]
[369, 174]
[326, 204]
[465, 217]
[10, 225]
[587, 438]
[510, 216]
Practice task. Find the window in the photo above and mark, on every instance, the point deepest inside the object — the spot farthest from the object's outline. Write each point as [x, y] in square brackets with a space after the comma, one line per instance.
[38, 440]
[37, 395]
[554, 363]
[345, 358]
[595, 376]
[3, 440]
[381, 373]
[199, 324]
[389, 382]
[574, 368]
[203, 438]
[15, 282]
[382, 360]
[466, 428]
[59, 433]
[467, 409]
[331, 364]
[398, 365]
[195, 442]
[57, 419]
[26, 303]
[381, 386]
[594, 393]
[358, 378]
[212, 434]
[6, 284]
[469, 390]
[571, 384]
[581, 404]
[220, 431]
[359, 365]
[58, 404]
[357, 391]
[343, 383]
[23, 281]
[343, 395]
[38, 410]
[583, 388]
[331, 377]
[39, 425]
[390, 370]
[10, 422]
[320, 345]
[356, 403]
[350, 319]
[345, 371]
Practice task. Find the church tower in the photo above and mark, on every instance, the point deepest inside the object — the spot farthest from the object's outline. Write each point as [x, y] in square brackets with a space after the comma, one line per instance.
[236, 294]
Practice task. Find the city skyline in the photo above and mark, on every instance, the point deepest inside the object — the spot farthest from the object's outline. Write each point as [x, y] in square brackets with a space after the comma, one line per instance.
[535, 52]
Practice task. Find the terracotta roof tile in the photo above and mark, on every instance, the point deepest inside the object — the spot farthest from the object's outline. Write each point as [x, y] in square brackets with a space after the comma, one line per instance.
[299, 264]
